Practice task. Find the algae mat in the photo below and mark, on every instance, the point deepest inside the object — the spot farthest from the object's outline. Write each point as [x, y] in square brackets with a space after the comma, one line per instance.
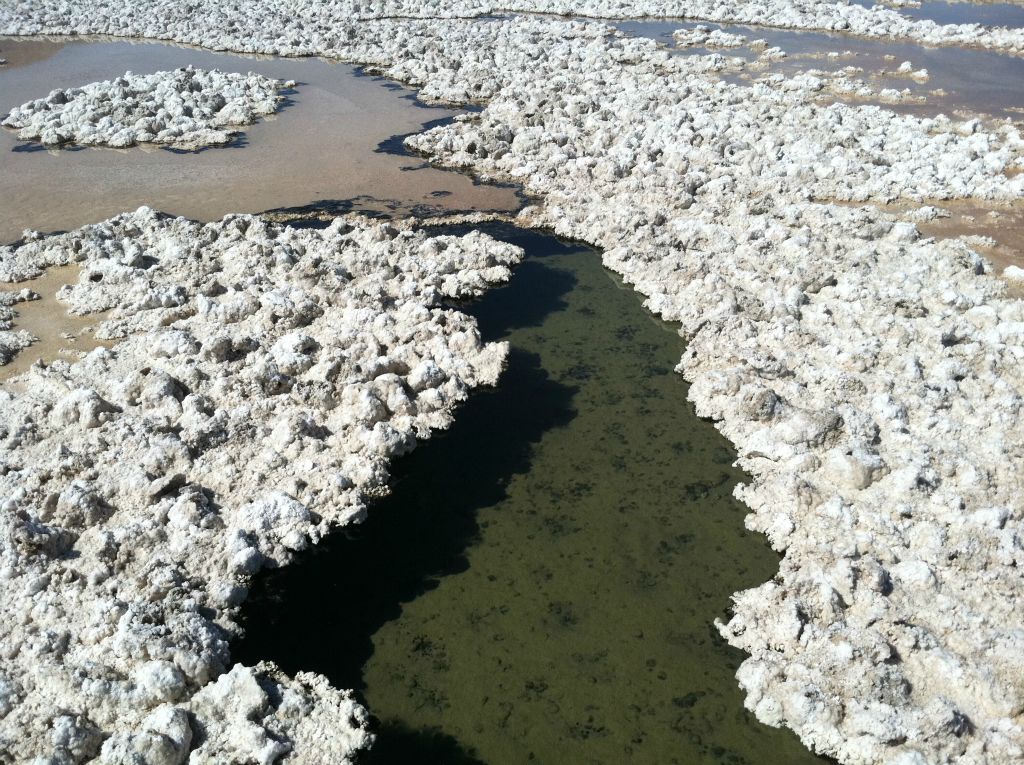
[540, 586]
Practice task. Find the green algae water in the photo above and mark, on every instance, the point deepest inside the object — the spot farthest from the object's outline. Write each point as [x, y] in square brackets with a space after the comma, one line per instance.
[541, 584]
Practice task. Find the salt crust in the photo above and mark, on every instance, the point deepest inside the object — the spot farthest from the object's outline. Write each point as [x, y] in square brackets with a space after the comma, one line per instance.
[869, 377]
[268, 377]
[186, 108]
[13, 340]
[706, 37]
[323, 24]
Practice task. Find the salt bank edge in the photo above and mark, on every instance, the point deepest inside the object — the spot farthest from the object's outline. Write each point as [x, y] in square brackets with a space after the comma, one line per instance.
[868, 376]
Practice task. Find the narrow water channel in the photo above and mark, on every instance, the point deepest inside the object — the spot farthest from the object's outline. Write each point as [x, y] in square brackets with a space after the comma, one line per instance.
[541, 584]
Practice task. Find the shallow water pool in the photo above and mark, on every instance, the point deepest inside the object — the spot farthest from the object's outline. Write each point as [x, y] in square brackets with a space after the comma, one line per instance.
[321, 148]
[541, 585]
[973, 81]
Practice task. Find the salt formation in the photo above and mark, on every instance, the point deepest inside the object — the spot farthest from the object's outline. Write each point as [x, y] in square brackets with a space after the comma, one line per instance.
[870, 377]
[706, 37]
[268, 377]
[286, 28]
[12, 340]
[187, 109]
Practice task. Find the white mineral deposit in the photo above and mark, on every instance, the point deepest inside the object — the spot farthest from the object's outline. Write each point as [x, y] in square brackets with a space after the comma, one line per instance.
[869, 376]
[187, 109]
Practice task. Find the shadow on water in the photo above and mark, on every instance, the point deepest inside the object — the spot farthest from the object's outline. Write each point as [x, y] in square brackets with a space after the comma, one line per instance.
[541, 583]
[419, 533]
[398, 744]
[317, 214]
[412, 538]
[395, 145]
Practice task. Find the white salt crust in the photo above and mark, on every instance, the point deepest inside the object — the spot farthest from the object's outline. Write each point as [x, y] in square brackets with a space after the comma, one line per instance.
[322, 24]
[186, 109]
[268, 377]
[869, 377]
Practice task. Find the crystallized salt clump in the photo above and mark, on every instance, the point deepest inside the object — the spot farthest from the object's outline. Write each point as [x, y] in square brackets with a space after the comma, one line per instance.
[266, 379]
[187, 108]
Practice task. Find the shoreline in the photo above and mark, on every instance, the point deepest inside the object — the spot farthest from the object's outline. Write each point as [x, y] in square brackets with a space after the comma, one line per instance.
[798, 361]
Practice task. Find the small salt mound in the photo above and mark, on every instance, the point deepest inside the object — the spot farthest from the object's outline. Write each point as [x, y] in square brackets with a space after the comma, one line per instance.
[186, 108]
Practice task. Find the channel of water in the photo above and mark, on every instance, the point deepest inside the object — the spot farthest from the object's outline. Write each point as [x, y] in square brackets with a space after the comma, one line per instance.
[542, 582]
[972, 81]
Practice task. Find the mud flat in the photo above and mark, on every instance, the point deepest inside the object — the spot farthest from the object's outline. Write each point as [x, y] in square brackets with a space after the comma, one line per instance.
[869, 376]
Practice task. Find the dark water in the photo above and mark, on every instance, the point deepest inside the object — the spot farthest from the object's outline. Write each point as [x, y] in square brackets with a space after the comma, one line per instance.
[541, 584]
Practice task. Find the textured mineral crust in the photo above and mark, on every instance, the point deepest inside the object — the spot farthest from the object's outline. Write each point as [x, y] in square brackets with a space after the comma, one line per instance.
[12, 340]
[706, 37]
[318, 26]
[185, 109]
[268, 377]
[869, 376]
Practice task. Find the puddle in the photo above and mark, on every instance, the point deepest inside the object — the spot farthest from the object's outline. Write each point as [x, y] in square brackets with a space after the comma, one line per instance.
[1001, 223]
[973, 81]
[986, 14]
[541, 584]
[322, 148]
[59, 333]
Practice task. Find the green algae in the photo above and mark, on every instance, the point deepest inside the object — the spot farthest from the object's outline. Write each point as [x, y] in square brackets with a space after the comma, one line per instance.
[542, 583]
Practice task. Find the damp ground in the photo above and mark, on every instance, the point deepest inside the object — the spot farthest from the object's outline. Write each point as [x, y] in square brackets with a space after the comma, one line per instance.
[58, 333]
[542, 583]
[331, 145]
